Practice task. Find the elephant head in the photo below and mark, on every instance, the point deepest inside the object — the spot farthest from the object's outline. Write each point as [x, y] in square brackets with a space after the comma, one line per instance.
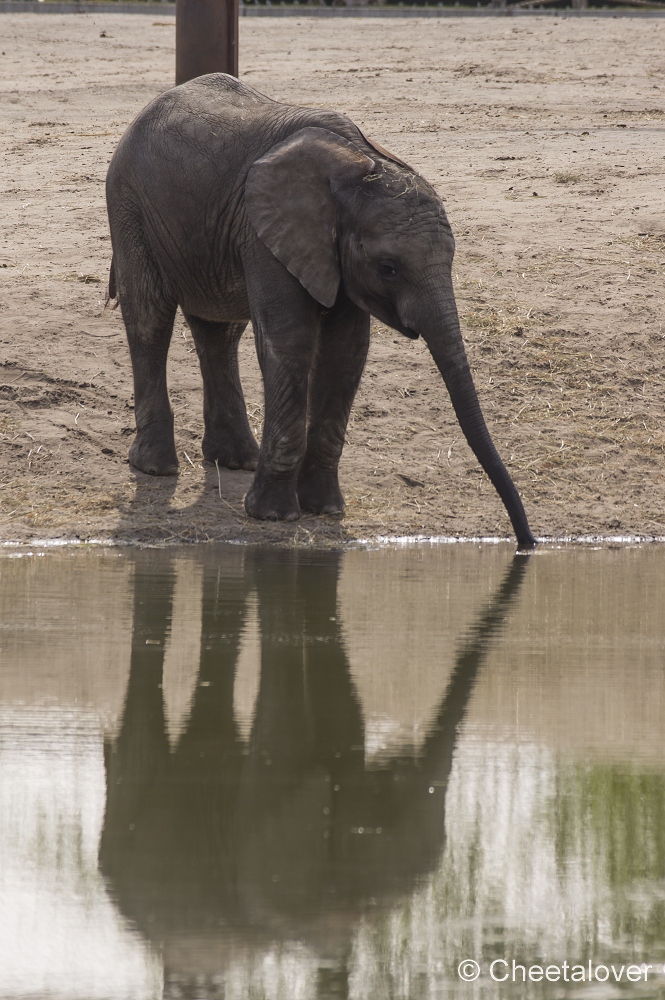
[338, 213]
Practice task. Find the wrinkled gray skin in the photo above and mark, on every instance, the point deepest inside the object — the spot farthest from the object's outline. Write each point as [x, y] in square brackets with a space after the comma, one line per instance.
[232, 206]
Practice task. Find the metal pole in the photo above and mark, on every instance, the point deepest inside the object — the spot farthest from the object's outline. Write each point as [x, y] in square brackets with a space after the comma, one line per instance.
[206, 38]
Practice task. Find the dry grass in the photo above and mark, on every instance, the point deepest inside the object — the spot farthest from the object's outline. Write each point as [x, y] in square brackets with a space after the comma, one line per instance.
[566, 177]
[575, 404]
[20, 501]
[7, 425]
[87, 279]
[366, 503]
[636, 258]
[255, 416]
[509, 320]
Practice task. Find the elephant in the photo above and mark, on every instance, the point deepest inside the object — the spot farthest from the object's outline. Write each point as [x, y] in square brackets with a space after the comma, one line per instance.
[225, 844]
[236, 207]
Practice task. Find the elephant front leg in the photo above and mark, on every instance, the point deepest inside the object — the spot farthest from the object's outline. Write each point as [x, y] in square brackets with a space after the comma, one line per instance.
[286, 321]
[340, 358]
[228, 438]
[285, 366]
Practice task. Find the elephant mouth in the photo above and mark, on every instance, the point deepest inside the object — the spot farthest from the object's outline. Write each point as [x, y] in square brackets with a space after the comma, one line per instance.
[387, 313]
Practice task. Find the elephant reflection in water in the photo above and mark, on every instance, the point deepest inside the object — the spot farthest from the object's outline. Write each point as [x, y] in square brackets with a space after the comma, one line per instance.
[222, 846]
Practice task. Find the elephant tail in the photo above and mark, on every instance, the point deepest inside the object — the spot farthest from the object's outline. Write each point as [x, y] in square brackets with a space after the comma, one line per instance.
[112, 291]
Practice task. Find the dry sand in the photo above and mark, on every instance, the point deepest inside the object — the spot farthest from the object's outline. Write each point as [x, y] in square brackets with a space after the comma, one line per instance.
[545, 136]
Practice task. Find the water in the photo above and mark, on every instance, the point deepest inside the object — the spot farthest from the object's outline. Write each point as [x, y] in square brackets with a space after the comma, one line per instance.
[227, 772]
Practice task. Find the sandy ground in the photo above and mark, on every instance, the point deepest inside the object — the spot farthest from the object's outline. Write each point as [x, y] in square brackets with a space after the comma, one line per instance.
[546, 137]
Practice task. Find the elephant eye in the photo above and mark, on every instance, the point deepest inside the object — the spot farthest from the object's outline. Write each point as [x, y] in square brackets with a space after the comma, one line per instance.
[387, 270]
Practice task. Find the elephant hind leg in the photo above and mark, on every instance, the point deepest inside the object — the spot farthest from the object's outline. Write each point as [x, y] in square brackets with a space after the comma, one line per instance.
[148, 312]
[340, 358]
[228, 438]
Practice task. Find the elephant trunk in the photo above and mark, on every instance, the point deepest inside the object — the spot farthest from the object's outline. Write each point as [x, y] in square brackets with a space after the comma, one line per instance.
[447, 348]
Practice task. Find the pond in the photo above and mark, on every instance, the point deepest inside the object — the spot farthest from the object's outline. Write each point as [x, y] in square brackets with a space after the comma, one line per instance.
[244, 773]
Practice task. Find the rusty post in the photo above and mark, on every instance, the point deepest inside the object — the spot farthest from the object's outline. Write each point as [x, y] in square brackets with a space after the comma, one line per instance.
[206, 38]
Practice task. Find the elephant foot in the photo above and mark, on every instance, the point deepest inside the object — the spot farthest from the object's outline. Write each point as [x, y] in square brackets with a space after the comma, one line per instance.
[320, 494]
[231, 453]
[153, 450]
[272, 501]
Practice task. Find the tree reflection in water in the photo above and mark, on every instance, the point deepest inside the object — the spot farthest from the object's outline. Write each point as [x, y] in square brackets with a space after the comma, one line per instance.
[220, 846]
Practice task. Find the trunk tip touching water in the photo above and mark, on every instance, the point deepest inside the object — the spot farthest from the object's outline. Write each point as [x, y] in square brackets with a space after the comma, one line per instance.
[506, 489]
[525, 538]
[454, 367]
[483, 447]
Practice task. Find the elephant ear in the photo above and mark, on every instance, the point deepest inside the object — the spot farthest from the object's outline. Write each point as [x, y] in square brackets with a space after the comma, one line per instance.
[386, 152]
[291, 205]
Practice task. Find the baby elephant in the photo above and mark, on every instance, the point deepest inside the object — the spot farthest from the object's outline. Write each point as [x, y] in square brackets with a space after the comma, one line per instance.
[232, 206]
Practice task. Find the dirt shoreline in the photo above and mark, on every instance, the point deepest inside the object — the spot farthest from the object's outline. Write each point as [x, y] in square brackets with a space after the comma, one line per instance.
[546, 139]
